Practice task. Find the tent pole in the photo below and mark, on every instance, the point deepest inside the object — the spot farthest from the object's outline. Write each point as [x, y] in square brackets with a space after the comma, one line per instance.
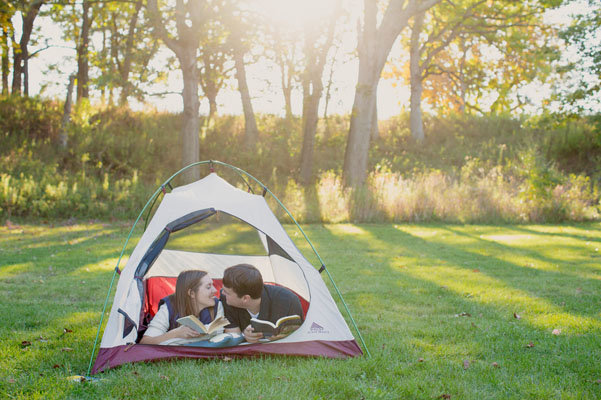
[101, 319]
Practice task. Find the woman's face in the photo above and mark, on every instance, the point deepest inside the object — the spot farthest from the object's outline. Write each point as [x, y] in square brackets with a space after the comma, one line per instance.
[204, 296]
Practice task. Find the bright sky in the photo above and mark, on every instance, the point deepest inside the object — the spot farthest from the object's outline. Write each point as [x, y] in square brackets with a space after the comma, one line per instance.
[263, 77]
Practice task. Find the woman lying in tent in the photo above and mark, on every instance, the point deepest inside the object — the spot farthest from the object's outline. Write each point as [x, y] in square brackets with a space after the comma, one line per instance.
[194, 295]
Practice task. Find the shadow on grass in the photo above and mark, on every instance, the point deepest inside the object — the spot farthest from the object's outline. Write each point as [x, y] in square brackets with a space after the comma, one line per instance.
[585, 238]
[496, 249]
[414, 317]
[538, 283]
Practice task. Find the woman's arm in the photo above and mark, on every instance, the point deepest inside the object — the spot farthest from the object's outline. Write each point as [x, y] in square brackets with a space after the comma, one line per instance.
[181, 332]
[157, 329]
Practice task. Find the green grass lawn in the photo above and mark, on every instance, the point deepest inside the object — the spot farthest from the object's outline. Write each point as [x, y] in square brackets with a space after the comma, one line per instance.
[470, 312]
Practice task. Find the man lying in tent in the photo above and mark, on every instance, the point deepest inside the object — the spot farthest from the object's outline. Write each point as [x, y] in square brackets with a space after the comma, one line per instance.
[247, 304]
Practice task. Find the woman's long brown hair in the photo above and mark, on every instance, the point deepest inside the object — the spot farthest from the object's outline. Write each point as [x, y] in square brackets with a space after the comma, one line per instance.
[181, 300]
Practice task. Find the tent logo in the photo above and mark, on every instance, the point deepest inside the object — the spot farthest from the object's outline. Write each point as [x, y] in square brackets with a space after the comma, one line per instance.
[316, 328]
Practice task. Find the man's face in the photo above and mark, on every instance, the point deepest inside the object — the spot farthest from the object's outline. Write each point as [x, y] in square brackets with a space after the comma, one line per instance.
[232, 299]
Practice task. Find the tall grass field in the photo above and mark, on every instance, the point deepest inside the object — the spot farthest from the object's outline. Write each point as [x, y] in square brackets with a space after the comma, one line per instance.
[470, 169]
[447, 312]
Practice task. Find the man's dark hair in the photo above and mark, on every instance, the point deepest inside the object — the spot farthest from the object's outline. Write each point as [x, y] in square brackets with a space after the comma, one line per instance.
[244, 279]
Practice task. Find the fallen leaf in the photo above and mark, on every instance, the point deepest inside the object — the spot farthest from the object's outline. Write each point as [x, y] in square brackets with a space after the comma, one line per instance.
[556, 332]
[66, 349]
[530, 344]
[164, 377]
[517, 316]
[420, 360]
[56, 366]
[25, 343]
[466, 364]
[495, 365]
[475, 270]
[135, 373]
[463, 314]
[474, 325]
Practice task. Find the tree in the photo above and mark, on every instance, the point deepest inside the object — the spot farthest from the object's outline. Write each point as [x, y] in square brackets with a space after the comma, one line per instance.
[189, 20]
[29, 11]
[584, 34]
[286, 52]
[447, 20]
[122, 61]
[375, 43]
[83, 51]
[415, 116]
[318, 43]
[213, 62]
[239, 49]
[450, 56]
[7, 10]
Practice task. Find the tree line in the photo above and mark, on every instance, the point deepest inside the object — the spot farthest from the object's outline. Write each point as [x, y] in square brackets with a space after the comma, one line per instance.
[460, 53]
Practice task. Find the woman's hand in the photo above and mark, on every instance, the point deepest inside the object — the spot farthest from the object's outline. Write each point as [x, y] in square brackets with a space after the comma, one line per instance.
[185, 332]
[251, 336]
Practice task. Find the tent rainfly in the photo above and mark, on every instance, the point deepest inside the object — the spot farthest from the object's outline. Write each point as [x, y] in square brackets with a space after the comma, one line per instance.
[151, 271]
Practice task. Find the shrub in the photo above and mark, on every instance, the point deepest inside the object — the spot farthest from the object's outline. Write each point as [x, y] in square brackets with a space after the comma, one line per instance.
[468, 169]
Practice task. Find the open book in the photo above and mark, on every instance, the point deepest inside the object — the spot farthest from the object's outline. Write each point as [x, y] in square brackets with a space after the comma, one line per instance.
[284, 325]
[209, 330]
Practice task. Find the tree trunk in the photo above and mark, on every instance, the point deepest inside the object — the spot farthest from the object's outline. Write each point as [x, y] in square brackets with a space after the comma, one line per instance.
[25, 55]
[128, 57]
[375, 130]
[185, 48]
[82, 53]
[20, 53]
[62, 137]
[357, 145]
[288, 102]
[251, 133]
[17, 70]
[190, 129]
[415, 117]
[312, 91]
[374, 47]
[462, 83]
[5, 61]
[311, 94]
[212, 97]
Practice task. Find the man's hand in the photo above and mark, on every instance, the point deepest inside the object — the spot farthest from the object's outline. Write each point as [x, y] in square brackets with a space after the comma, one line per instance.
[251, 336]
[278, 337]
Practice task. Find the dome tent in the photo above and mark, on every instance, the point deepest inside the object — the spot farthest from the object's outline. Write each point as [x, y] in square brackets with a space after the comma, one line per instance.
[151, 271]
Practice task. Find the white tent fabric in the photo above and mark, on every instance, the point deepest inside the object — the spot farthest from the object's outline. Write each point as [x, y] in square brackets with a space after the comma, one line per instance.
[323, 321]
